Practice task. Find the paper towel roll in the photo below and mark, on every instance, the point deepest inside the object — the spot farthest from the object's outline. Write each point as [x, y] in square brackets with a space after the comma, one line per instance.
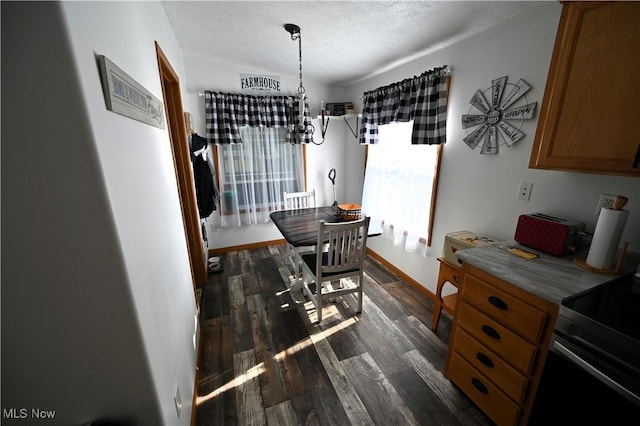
[606, 238]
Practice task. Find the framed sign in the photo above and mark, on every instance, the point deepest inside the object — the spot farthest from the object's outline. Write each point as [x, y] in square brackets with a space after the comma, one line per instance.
[125, 96]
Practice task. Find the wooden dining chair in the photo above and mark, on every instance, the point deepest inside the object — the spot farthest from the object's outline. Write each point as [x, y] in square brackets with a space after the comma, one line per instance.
[337, 265]
[292, 201]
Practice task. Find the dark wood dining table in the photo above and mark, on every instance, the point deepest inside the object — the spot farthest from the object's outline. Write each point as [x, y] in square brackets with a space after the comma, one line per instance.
[300, 226]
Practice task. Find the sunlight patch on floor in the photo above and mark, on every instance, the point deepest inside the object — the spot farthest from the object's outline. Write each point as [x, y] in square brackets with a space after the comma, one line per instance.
[303, 344]
[320, 334]
[259, 369]
[252, 373]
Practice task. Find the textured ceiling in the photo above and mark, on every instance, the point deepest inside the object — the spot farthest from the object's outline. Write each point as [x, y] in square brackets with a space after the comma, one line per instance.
[343, 42]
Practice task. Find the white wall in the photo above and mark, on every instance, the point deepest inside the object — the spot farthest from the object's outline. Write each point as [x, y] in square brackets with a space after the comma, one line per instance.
[478, 192]
[98, 308]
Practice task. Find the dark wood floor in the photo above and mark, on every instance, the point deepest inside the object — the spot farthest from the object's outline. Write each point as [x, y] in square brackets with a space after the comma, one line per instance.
[264, 361]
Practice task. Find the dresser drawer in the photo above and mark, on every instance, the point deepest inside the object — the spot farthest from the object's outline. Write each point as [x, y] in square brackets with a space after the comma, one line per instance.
[495, 369]
[488, 397]
[521, 318]
[512, 348]
[451, 273]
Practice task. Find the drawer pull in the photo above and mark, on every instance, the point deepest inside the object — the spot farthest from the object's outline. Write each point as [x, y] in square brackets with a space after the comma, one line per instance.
[456, 279]
[498, 303]
[479, 385]
[491, 332]
[484, 359]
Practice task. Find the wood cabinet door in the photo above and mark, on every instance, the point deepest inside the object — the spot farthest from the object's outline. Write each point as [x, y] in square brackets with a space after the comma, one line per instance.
[590, 115]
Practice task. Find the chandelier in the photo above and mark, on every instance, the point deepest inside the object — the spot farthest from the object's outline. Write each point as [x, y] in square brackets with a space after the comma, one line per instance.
[299, 131]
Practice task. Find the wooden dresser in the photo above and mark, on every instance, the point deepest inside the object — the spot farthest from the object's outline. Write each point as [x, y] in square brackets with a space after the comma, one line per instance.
[499, 345]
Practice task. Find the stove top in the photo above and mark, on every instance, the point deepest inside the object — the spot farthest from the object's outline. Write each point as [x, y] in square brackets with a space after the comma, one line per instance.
[615, 304]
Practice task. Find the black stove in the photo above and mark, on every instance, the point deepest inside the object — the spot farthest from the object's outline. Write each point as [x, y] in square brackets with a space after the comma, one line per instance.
[598, 330]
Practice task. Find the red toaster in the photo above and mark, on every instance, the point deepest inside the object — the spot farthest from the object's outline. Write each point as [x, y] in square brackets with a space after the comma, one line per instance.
[547, 233]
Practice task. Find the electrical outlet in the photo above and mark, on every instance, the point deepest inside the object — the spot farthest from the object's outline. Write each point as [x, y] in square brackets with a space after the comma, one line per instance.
[178, 401]
[606, 201]
[524, 191]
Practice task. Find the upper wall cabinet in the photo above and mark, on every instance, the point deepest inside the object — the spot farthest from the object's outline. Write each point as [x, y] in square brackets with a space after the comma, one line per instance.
[590, 116]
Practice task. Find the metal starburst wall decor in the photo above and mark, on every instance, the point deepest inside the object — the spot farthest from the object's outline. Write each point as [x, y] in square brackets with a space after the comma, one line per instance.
[496, 115]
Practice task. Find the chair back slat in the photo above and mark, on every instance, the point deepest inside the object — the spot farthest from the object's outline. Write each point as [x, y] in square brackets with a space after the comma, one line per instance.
[299, 200]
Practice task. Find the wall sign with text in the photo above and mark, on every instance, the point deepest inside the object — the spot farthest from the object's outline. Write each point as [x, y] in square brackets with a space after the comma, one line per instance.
[258, 82]
[125, 96]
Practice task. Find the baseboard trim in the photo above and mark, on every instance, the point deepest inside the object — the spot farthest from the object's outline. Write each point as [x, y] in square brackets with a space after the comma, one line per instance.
[194, 401]
[252, 246]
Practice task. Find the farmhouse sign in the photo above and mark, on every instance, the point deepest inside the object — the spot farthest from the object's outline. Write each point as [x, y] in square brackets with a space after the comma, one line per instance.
[125, 96]
[259, 82]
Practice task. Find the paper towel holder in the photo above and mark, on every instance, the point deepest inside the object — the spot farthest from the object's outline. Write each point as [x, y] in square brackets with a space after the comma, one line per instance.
[611, 271]
[618, 203]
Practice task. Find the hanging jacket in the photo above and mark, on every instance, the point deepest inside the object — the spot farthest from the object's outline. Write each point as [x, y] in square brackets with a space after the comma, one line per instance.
[206, 191]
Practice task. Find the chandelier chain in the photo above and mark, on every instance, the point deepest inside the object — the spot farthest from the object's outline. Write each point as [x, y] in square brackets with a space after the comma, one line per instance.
[304, 126]
[301, 88]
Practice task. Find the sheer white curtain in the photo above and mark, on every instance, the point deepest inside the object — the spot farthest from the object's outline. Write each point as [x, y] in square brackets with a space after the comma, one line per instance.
[398, 185]
[255, 174]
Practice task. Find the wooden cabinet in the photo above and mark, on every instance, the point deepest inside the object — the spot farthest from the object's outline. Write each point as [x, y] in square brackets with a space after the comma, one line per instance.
[589, 116]
[499, 345]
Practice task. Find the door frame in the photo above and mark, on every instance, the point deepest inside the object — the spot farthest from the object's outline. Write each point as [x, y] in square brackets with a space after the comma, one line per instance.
[171, 94]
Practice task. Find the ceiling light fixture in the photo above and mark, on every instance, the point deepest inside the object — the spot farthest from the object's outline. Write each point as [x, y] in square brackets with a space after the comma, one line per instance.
[297, 132]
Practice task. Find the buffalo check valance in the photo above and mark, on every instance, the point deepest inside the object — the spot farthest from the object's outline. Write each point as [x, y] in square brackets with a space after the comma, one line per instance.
[422, 99]
[226, 113]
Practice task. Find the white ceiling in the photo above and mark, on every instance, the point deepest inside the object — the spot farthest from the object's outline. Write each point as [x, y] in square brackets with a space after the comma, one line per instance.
[343, 42]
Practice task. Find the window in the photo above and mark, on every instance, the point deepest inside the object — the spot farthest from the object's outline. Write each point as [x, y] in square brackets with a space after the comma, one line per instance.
[400, 186]
[255, 174]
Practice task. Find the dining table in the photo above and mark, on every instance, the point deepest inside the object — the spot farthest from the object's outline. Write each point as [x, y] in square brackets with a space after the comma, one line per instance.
[300, 226]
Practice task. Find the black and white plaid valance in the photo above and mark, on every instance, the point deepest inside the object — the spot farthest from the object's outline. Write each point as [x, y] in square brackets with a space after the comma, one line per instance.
[226, 113]
[422, 99]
